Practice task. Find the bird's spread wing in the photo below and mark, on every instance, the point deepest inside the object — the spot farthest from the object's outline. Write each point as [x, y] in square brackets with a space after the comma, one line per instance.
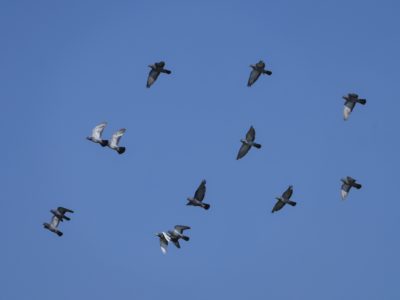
[288, 193]
[163, 244]
[64, 210]
[98, 130]
[201, 191]
[181, 228]
[55, 221]
[278, 206]
[253, 77]
[251, 134]
[116, 137]
[243, 150]
[153, 74]
[348, 108]
[345, 190]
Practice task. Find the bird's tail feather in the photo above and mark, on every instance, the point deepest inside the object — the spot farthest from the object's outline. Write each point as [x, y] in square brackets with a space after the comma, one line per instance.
[292, 203]
[66, 218]
[267, 72]
[166, 71]
[185, 238]
[59, 233]
[206, 206]
[121, 150]
[104, 143]
[258, 146]
[362, 101]
[357, 186]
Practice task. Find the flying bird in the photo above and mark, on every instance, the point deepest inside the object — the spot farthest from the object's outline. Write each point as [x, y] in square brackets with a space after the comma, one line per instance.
[197, 200]
[350, 102]
[248, 143]
[172, 236]
[155, 71]
[284, 199]
[58, 216]
[96, 135]
[113, 144]
[257, 70]
[347, 183]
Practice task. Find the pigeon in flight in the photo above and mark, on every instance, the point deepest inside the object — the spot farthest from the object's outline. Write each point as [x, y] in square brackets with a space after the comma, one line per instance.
[156, 69]
[113, 144]
[58, 216]
[197, 200]
[284, 199]
[350, 101]
[248, 143]
[172, 236]
[347, 183]
[257, 70]
[96, 135]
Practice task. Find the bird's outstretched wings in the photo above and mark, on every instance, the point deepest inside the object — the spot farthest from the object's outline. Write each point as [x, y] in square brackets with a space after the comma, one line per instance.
[278, 206]
[181, 228]
[55, 221]
[288, 193]
[201, 191]
[348, 108]
[98, 130]
[345, 190]
[164, 243]
[153, 75]
[243, 150]
[253, 77]
[64, 210]
[116, 137]
[251, 134]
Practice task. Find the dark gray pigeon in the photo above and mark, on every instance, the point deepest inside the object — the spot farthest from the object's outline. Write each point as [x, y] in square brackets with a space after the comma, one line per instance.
[248, 143]
[177, 234]
[155, 71]
[350, 101]
[257, 70]
[96, 135]
[113, 143]
[347, 183]
[284, 199]
[197, 200]
[58, 215]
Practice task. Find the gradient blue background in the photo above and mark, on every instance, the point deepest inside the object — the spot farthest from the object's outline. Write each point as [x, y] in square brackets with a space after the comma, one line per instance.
[66, 66]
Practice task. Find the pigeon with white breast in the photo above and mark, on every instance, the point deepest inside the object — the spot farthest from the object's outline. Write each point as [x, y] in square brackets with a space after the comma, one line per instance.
[248, 143]
[347, 183]
[197, 200]
[284, 199]
[96, 135]
[350, 102]
[172, 236]
[58, 216]
[113, 143]
[155, 71]
[257, 70]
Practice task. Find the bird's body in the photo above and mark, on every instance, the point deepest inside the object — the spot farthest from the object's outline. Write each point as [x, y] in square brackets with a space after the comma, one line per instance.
[155, 71]
[257, 70]
[347, 183]
[113, 143]
[350, 102]
[96, 135]
[284, 199]
[197, 200]
[172, 236]
[58, 216]
[248, 143]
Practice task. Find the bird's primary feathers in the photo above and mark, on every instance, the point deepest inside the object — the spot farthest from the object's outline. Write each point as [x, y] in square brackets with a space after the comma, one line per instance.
[97, 133]
[284, 199]
[347, 183]
[257, 70]
[114, 142]
[155, 71]
[350, 102]
[198, 198]
[248, 143]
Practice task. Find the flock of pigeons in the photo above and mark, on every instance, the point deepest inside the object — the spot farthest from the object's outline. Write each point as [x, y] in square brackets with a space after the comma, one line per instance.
[173, 236]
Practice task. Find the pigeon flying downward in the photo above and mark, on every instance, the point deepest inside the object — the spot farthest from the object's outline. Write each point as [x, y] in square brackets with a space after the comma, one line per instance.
[96, 135]
[113, 144]
[155, 71]
[347, 183]
[172, 236]
[248, 143]
[257, 70]
[197, 200]
[284, 199]
[58, 216]
[349, 104]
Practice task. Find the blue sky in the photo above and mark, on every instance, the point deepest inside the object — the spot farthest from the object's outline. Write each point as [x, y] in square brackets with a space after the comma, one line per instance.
[69, 65]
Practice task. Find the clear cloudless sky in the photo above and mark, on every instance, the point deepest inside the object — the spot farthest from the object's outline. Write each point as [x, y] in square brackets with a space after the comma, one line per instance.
[66, 66]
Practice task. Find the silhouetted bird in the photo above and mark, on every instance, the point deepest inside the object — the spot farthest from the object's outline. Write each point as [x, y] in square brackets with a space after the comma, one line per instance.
[96, 135]
[156, 69]
[257, 70]
[348, 183]
[199, 196]
[248, 143]
[58, 215]
[351, 100]
[284, 199]
[113, 144]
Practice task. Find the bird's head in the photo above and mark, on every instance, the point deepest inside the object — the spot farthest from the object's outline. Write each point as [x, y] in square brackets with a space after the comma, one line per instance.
[161, 64]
